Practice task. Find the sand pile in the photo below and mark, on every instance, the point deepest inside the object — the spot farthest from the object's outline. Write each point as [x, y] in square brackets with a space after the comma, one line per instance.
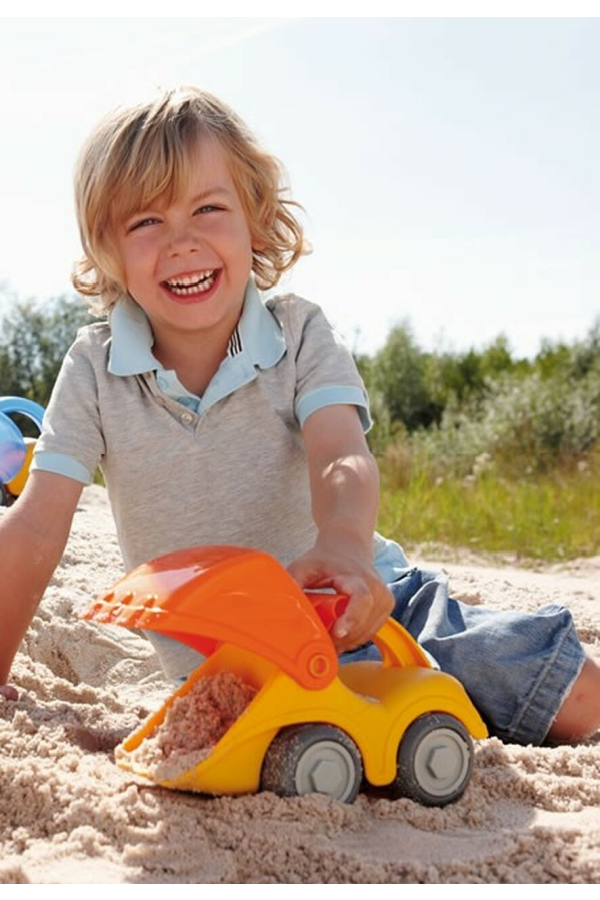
[69, 815]
[192, 726]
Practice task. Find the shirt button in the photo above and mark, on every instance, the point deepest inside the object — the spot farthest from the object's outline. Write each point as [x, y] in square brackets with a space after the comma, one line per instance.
[187, 418]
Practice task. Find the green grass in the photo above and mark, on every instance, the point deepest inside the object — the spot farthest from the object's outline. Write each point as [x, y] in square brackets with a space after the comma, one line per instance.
[554, 516]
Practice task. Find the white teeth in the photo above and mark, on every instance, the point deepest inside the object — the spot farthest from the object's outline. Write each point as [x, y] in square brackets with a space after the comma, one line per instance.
[192, 284]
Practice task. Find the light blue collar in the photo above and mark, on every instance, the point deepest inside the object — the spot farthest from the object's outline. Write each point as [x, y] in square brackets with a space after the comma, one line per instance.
[260, 335]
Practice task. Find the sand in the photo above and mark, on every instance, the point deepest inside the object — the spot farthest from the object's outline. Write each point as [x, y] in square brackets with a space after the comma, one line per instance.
[192, 726]
[69, 815]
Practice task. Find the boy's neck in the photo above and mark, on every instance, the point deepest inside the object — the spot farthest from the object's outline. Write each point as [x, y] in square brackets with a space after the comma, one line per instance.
[194, 357]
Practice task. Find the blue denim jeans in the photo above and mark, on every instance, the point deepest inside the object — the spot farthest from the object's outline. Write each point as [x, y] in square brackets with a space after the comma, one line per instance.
[517, 667]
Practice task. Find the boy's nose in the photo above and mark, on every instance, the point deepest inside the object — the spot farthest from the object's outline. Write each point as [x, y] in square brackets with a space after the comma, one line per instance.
[183, 239]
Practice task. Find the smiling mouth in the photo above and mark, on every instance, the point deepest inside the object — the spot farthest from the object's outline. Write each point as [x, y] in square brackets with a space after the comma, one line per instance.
[188, 285]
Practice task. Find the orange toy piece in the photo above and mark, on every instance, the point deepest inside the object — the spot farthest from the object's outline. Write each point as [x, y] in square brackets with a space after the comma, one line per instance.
[312, 725]
[202, 596]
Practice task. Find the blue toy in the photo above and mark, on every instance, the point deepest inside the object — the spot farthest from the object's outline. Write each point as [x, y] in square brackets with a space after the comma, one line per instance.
[15, 454]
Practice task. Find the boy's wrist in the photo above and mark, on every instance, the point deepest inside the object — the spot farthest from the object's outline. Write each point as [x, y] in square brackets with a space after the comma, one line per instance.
[343, 538]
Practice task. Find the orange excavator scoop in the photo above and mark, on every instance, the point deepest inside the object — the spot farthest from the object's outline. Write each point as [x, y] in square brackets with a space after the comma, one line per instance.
[206, 596]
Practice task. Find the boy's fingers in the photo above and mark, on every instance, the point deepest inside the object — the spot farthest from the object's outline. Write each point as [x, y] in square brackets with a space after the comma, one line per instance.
[365, 614]
[306, 572]
[341, 628]
[356, 623]
[300, 573]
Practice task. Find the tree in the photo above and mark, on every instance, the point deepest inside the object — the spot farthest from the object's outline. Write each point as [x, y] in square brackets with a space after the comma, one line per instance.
[34, 338]
[398, 374]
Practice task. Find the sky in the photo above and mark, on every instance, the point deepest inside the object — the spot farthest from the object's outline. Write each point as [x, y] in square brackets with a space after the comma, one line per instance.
[448, 167]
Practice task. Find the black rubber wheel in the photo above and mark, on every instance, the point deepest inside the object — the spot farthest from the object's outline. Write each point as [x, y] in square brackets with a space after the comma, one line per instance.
[435, 760]
[312, 759]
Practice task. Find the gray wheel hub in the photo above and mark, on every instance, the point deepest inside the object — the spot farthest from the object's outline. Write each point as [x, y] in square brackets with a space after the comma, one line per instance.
[441, 761]
[326, 767]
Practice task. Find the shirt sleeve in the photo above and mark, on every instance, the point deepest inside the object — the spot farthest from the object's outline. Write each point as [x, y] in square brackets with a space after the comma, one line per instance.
[326, 372]
[71, 442]
[61, 464]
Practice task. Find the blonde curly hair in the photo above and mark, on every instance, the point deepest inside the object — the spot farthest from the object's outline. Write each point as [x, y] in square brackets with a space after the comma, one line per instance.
[139, 154]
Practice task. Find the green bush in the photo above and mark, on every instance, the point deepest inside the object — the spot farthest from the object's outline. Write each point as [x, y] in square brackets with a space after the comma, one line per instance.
[34, 338]
[523, 425]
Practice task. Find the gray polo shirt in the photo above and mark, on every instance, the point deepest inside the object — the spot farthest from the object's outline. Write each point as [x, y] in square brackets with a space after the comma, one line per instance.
[228, 467]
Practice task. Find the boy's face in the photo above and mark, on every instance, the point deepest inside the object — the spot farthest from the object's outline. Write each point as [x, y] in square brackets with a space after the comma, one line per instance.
[187, 263]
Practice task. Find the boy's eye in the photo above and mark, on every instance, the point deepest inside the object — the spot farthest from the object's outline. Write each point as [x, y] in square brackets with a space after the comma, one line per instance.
[141, 223]
[208, 208]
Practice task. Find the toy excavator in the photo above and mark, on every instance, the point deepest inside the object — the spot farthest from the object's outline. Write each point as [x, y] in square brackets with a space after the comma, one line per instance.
[313, 725]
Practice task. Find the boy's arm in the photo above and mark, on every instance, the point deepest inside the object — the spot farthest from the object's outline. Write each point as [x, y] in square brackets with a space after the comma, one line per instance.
[33, 534]
[344, 483]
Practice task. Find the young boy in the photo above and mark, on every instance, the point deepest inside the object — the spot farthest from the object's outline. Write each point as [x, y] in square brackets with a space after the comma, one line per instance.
[219, 418]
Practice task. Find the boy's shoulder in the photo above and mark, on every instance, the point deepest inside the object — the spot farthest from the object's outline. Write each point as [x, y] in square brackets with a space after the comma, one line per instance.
[92, 341]
[291, 305]
[295, 314]
[94, 334]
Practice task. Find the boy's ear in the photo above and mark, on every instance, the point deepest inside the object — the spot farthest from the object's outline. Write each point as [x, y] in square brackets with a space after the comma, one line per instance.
[257, 231]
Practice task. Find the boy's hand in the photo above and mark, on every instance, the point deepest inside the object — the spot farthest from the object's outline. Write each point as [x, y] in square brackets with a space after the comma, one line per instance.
[370, 601]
